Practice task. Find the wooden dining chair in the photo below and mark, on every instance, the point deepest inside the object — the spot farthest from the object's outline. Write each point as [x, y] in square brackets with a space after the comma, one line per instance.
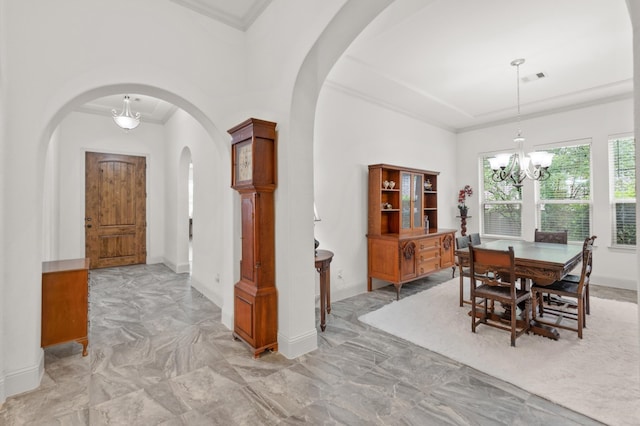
[462, 263]
[566, 288]
[575, 278]
[557, 237]
[495, 270]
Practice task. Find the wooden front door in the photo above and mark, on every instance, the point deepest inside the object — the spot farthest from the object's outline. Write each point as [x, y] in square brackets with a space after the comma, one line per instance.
[115, 209]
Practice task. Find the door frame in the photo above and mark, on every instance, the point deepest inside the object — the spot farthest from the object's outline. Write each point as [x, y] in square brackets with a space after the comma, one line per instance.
[147, 183]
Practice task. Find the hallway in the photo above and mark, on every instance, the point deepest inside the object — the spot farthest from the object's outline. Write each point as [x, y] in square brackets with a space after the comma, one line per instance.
[158, 354]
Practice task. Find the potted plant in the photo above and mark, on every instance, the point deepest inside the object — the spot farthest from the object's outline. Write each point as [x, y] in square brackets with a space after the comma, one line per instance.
[465, 192]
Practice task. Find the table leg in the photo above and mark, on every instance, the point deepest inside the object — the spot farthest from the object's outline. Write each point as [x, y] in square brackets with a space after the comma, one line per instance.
[328, 299]
[324, 294]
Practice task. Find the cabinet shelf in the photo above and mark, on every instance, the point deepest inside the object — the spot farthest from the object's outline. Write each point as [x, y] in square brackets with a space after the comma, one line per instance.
[399, 247]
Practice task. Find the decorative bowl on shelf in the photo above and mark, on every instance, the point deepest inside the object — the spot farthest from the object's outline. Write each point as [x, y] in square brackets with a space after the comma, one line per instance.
[385, 184]
[392, 184]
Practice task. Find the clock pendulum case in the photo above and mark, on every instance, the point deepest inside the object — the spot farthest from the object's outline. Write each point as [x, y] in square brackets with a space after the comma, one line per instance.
[253, 175]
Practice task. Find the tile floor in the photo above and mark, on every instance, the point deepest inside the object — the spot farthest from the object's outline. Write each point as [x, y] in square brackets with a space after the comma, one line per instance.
[159, 355]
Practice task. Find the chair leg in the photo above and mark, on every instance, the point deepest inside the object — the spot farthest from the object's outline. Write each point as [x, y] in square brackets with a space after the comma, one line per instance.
[513, 324]
[541, 305]
[587, 307]
[580, 316]
[537, 299]
[473, 313]
[486, 311]
[527, 318]
[453, 271]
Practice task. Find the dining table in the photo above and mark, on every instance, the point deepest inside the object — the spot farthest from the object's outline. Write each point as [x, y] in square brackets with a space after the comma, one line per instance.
[542, 263]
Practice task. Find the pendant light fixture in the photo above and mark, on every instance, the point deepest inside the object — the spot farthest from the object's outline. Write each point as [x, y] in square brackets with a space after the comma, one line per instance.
[125, 119]
[517, 167]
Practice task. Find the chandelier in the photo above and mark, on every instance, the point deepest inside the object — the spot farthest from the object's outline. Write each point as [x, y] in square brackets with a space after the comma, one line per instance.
[517, 167]
[125, 119]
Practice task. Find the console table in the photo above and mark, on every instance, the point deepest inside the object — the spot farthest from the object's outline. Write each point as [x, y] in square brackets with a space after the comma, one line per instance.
[65, 302]
[323, 262]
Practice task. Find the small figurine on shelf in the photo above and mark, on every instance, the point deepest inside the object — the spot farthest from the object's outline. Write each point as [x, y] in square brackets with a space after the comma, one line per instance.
[427, 185]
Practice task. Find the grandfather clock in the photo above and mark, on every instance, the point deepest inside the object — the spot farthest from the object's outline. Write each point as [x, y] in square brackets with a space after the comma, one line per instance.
[253, 175]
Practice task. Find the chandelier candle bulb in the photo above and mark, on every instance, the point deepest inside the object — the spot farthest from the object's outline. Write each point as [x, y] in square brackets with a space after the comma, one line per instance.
[515, 167]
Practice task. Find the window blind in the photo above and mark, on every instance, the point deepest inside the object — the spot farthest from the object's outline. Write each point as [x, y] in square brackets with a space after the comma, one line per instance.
[564, 200]
[622, 181]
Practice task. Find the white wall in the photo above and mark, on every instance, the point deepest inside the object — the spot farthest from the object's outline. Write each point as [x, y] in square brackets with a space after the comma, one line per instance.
[350, 134]
[80, 133]
[51, 203]
[612, 267]
[212, 206]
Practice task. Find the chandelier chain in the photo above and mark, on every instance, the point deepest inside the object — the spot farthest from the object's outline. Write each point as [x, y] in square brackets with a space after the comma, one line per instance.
[518, 96]
[517, 167]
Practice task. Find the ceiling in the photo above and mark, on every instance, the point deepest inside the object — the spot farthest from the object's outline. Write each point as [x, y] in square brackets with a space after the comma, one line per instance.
[447, 62]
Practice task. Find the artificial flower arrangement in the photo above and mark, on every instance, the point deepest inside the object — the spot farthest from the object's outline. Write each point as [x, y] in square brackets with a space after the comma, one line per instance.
[465, 192]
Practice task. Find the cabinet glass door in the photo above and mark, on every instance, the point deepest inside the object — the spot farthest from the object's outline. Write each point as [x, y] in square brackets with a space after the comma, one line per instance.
[417, 201]
[405, 200]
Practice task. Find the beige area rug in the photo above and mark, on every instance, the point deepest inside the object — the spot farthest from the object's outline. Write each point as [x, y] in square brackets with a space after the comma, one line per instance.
[598, 376]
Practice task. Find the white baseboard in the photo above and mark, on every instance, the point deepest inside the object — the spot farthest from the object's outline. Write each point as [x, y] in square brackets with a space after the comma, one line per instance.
[23, 380]
[183, 268]
[297, 346]
[3, 393]
[227, 318]
[613, 282]
[215, 298]
[169, 265]
[178, 269]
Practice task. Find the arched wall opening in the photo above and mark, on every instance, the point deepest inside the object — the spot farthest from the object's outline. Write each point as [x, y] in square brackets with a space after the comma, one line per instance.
[169, 148]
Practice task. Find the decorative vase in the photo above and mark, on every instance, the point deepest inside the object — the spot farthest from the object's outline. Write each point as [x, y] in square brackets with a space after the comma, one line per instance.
[463, 211]
[392, 184]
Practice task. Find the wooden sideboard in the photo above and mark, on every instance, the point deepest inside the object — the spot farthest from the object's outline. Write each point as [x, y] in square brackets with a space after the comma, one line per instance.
[65, 302]
[401, 260]
[404, 241]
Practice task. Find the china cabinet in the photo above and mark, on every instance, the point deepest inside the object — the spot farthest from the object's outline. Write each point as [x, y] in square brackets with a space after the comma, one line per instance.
[404, 241]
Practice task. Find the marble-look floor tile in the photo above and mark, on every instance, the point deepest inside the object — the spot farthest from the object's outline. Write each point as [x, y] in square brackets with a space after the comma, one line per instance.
[202, 388]
[288, 391]
[135, 408]
[159, 355]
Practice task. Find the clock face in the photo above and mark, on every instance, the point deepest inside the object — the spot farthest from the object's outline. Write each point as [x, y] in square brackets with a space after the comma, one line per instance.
[244, 167]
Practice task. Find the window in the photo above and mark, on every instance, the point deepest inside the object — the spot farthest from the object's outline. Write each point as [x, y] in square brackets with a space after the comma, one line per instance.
[622, 181]
[564, 200]
[501, 204]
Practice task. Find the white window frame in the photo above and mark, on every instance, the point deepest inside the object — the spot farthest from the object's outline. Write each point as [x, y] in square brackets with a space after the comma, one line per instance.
[613, 201]
[540, 204]
[484, 202]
